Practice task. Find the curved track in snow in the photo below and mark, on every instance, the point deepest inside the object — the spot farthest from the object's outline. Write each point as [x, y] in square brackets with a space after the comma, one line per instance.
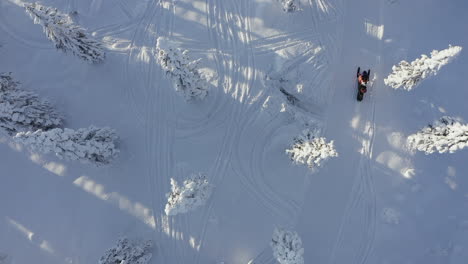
[356, 232]
[225, 17]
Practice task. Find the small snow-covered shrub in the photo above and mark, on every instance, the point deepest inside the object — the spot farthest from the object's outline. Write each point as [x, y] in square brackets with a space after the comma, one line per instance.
[193, 193]
[287, 247]
[88, 145]
[311, 150]
[410, 75]
[181, 70]
[390, 216]
[23, 110]
[289, 5]
[66, 36]
[444, 135]
[285, 99]
[128, 252]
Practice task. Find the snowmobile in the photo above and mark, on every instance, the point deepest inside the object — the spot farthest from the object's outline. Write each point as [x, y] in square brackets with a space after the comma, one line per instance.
[362, 82]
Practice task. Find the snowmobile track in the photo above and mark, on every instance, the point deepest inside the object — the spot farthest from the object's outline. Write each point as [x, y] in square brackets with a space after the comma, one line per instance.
[225, 24]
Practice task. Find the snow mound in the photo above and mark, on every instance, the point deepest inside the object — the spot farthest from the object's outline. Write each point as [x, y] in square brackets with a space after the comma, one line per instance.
[4, 258]
[88, 145]
[390, 216]
[289, 5]
[183, 72]
[193, 193]
[23, 110]
[311, 150]
[128, 252]
[66, 36]
[283, 100]
[444, 135]
[287, 247]
[410, 75]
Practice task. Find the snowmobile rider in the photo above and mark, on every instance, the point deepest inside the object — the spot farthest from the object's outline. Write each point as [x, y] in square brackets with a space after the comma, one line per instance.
[363, 78]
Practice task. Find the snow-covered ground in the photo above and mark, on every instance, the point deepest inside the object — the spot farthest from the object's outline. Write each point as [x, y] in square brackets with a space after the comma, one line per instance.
[271, 72]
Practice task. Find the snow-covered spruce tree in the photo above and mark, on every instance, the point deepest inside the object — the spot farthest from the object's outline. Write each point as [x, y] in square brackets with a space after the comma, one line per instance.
[311, 150]
[66, 36]
[287, 247]
[289, 5]
[128, 252]
[88, 145]
[410, 75]
[193, 193]
[444, 135]
[23, 110]
[181, 70]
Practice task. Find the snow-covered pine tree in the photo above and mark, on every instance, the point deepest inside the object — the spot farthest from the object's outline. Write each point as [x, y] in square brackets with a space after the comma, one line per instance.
[67, 36]
[444, 135]
[23, 110]
[311, 150]
[128, 252]
[289, 5]
[193, 193]
[181, 70]
[410, 75]
[287, 247]
[88, 145]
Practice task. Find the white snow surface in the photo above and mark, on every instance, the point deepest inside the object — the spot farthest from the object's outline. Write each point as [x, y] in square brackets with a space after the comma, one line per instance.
[193, 193]
[409, 75]
[377, 202]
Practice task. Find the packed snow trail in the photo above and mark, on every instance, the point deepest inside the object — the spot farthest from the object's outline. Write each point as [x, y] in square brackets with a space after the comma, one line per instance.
[56, 211]
[348, 236]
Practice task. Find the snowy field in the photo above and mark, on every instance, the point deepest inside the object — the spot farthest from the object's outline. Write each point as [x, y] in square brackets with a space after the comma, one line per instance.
[268, 70]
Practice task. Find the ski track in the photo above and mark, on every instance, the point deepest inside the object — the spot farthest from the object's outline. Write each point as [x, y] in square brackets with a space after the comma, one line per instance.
[115, 29]
[363, 202]
[255, 179]
[161, 132]
[214, 117]
[181, 222]
[153, 117]
[133, 58]
[281, 41]
[241, 70]
[265, 257]
[123, 6]
[234, 57]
